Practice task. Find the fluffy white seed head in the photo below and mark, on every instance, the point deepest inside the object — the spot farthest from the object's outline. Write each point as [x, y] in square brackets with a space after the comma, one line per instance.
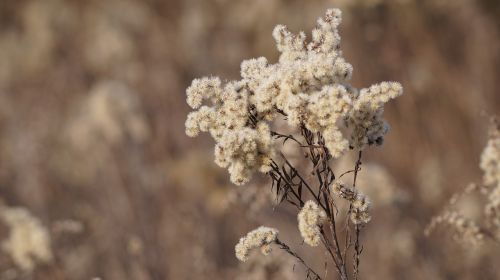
[474, 231]
[490, 164]
[360, 209]
[28, 242]
[368, 126]
[465, 230]
[201, 89]
[360, 203]
[310, 218]
[308, 85]
[261, 237]
[490, 158]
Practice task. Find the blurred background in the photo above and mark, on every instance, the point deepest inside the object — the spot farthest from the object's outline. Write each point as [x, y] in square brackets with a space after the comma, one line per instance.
[99, 181]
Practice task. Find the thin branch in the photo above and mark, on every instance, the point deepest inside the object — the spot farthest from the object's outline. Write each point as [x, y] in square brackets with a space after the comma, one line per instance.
[347, 172]
[357, 246]
[286, 137]
[337, 258]
[357, 168]
[320, 156]
[283, 178]
[358, 249]
[309, 270]
[302, 180]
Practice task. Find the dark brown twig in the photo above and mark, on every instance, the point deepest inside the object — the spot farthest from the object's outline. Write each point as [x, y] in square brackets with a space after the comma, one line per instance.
[357, 247]
[310, 273]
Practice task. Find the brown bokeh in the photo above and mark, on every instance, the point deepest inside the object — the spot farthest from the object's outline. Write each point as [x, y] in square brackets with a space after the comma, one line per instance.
[92, 111]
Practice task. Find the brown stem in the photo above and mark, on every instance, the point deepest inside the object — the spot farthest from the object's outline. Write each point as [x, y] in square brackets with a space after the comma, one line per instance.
[358, 249]
[357, 246]
[356, 168]
[310, 272]
[325, 176]
[336, 257]
[333, 229]
[277, 171]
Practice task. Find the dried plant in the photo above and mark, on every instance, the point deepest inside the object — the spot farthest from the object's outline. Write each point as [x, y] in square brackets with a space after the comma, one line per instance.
[326, 116]
[466, 229]
[28, 243]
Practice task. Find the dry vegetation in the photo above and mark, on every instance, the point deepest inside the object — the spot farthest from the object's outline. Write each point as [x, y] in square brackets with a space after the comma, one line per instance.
[97, 173]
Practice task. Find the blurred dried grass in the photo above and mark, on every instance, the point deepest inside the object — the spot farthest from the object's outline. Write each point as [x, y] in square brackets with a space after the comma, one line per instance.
[91, 131]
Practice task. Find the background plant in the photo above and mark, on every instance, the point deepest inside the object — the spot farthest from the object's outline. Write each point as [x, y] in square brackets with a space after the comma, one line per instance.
[486, 227]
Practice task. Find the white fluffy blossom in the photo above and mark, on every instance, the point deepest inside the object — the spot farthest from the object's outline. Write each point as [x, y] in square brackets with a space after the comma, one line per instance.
[490, 164]
[309, 85]
[360, 203]
[200, 89]
[310, 218]
[366, 117]
[261, 237]
[490, 159]
[360, 209]
[466, 229]
[28, 240]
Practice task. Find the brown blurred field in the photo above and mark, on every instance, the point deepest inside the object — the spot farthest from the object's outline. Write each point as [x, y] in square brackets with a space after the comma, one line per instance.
[92, 111]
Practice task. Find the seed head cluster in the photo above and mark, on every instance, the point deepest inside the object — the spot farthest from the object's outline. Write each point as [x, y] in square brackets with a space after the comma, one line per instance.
[261, 237]
[490, 164]
[310, 218]
[360, 203]
[475, 231]
[464, 230]
[308, 85]
[28, 242]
